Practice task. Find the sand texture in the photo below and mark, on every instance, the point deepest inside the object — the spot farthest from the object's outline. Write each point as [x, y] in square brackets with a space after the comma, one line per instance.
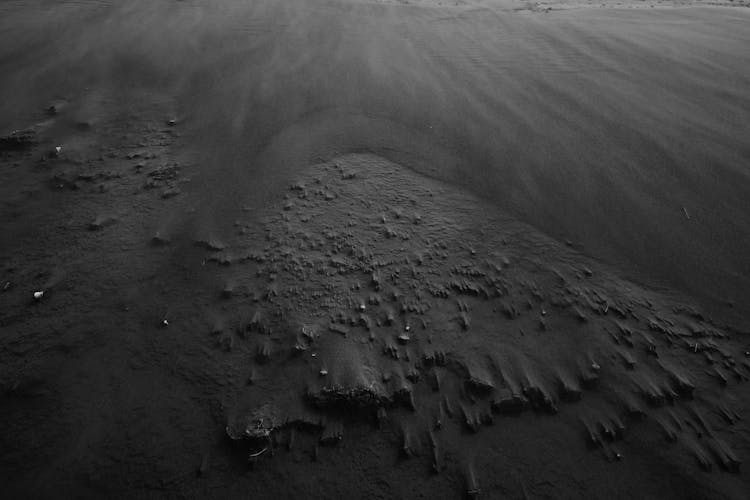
[374, 249]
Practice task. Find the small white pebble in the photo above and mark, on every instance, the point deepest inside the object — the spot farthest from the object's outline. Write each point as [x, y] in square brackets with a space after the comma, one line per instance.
[38, 295]
[323, 372]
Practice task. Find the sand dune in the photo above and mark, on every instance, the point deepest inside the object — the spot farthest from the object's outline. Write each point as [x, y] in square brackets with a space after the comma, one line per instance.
[389, 249]
[393, 298]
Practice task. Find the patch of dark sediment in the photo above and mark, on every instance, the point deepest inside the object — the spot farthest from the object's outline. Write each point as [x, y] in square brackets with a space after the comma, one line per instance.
[379, 294]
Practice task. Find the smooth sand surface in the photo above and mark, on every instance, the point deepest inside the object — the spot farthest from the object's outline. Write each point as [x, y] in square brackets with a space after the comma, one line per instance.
[557, 191]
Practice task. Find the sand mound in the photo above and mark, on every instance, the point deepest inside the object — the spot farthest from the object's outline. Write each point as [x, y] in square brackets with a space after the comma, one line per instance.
[388, 292]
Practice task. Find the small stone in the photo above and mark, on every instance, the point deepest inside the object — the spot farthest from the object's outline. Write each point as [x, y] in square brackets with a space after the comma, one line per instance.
[55, 152]
[38, 295]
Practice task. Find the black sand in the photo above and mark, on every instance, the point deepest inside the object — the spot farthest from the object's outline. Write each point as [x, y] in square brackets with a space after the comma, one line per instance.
[373, 249]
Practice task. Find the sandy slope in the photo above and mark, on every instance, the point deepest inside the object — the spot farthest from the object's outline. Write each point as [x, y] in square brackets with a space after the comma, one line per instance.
[606, 140]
